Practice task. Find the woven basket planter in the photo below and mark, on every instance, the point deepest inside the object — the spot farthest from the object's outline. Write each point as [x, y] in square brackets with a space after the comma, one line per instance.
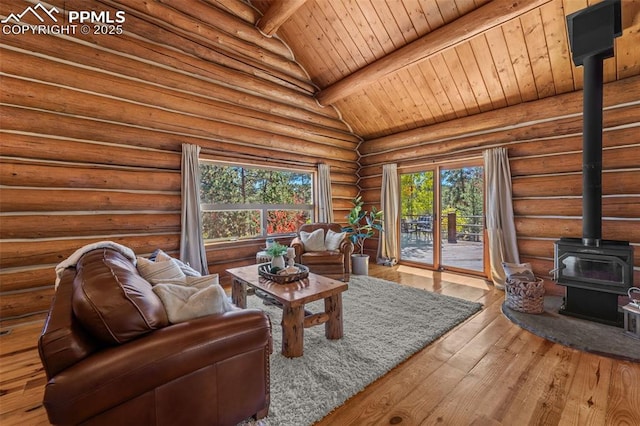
[525, 296]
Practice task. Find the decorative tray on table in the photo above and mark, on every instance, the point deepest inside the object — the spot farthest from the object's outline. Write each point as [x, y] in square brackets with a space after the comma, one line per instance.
[286, 275]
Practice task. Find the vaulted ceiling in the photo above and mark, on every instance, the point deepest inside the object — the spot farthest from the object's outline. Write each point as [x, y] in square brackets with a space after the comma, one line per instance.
[395, 65]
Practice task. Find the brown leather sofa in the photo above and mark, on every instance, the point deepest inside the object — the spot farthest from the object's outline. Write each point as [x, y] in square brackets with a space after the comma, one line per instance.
[111, 357]
[335, 264]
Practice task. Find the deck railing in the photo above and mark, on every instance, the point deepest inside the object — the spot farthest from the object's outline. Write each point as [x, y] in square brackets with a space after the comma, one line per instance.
[454, 227]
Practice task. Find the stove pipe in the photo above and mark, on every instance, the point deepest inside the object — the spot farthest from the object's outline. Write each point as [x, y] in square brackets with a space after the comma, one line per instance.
[592, 152]
[591, 34]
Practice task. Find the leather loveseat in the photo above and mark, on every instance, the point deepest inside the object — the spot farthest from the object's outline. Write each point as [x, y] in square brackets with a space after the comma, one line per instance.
[111, 357]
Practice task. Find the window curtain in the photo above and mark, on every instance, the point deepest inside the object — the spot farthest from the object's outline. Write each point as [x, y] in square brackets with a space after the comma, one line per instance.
[325, 204]
[388, 252]
[192, 249]
[501, 229]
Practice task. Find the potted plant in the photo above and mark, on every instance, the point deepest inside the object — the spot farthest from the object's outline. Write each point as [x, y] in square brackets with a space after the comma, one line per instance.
[362, 224]
[277, 252]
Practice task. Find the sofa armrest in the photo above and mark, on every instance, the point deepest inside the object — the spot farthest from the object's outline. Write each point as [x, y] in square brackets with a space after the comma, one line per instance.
[346, 247]
[64, 341]
[118, 374]
[296, 243]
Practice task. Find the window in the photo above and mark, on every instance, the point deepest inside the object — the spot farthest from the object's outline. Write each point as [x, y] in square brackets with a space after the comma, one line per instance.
[248, 202]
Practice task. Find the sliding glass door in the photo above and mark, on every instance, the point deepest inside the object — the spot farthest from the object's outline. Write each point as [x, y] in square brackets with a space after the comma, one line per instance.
[442, 218]
[417, 217]
[462, 218]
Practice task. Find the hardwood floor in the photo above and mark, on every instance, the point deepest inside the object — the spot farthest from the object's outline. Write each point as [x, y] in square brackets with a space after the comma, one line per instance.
[487, 371]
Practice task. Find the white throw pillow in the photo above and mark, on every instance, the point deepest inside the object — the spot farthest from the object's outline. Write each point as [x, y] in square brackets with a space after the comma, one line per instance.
[161, 256]
[167, 269]
[313, 241]
[333, 239]
[205, 280]
[189, 281]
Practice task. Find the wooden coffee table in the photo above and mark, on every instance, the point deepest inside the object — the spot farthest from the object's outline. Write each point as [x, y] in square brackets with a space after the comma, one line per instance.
[293, 296]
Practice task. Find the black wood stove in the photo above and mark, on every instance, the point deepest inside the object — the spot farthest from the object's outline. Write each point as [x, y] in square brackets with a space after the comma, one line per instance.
[594, 277]
[594, 271]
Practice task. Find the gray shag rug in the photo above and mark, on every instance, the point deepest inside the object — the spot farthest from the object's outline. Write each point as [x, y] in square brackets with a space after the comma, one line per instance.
[384, 324]
[584, 335]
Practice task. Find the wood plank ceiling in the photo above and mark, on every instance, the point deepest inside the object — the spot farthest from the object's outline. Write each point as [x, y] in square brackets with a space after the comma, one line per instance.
[396, 65]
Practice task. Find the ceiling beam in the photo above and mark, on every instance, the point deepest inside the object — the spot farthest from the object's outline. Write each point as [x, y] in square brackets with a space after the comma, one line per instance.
[276, 15]
[484, 18]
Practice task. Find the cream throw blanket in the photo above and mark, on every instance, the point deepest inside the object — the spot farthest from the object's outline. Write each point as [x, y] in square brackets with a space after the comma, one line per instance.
[192, 297]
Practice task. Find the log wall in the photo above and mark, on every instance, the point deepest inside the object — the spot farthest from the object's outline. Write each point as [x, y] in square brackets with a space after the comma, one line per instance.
[544, 139]
[92, 128]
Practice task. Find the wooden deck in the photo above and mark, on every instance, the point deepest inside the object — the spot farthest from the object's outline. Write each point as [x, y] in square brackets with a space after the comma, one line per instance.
[462, 254]
[487, 371]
